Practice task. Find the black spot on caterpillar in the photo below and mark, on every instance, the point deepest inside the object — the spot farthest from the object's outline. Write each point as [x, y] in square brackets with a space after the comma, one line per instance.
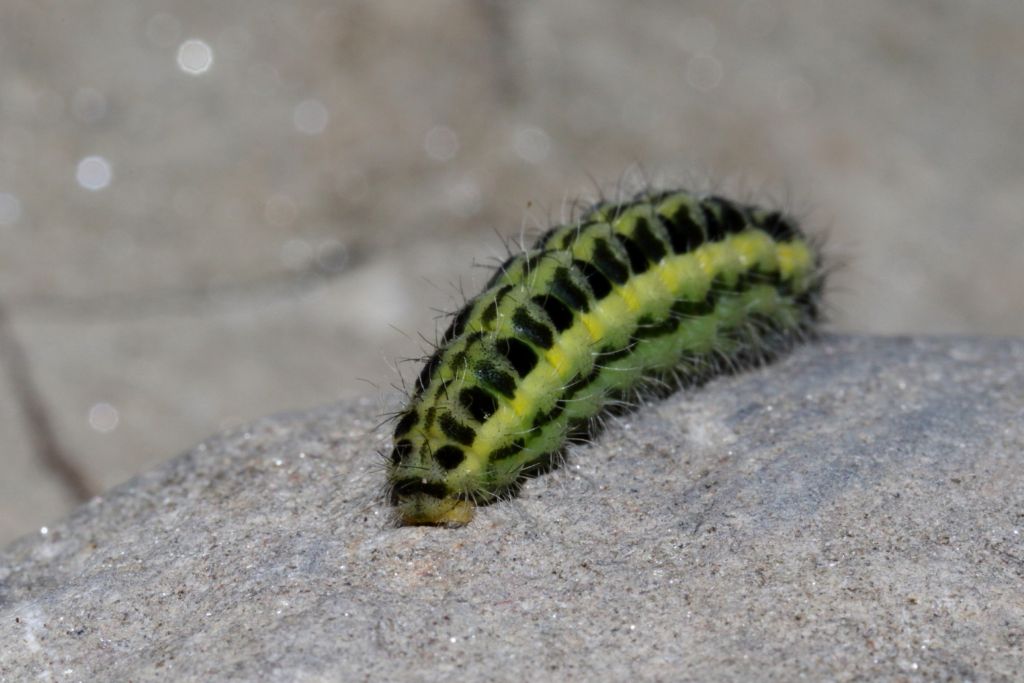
[664, 286]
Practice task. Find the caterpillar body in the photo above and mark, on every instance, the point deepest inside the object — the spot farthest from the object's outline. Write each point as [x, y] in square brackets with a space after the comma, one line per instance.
[664, 286]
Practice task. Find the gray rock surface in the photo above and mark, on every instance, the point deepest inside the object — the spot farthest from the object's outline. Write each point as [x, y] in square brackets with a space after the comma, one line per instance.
[852, 512]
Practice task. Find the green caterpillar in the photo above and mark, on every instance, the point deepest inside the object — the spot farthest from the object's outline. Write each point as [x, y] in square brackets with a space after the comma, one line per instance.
[665, 286]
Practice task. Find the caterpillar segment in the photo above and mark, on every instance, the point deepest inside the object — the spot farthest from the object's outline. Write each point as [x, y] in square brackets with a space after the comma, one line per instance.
[667, 285]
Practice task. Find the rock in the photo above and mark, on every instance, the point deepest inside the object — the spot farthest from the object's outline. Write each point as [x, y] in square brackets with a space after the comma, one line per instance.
[853, 511]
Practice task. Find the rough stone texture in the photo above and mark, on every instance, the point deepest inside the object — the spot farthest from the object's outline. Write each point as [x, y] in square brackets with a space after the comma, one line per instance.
[853, 512]
[207, 285]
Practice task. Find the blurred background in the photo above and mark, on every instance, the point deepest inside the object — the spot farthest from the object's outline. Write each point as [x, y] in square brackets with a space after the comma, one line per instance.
[214, 211]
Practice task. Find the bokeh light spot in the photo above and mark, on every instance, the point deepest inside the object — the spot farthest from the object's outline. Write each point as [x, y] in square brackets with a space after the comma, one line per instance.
[441, 143]
[94, 173]
[704, 73]
[103, 417]
[195, 57]
[532, 144]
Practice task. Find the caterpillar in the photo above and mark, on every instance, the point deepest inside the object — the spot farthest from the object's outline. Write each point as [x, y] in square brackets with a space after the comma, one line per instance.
[664, 288]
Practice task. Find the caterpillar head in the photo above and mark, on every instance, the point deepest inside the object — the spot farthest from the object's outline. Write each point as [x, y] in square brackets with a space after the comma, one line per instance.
[419, 501]
[420, 488]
